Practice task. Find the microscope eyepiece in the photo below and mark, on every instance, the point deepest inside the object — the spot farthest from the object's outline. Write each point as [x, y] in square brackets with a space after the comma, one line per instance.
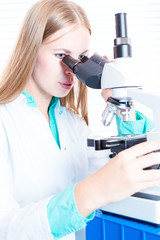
[87, 71]
[70, 62]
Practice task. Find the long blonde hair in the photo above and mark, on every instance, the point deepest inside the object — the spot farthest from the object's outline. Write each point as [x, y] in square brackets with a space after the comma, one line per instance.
[43, 19]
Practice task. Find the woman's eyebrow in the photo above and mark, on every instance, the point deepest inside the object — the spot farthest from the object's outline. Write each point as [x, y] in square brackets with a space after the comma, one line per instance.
[63, 49]
[68, 51]
[85, 51]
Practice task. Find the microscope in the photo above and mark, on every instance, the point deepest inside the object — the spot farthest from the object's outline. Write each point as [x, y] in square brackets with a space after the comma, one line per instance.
[99, 73]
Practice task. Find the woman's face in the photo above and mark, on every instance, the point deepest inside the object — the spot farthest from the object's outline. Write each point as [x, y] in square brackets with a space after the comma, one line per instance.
[50, 77]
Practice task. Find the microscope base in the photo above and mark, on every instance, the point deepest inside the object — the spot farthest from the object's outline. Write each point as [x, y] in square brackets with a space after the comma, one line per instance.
[141, 206]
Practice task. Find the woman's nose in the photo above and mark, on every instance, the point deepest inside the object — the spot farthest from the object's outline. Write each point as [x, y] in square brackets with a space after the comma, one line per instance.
[68, 71]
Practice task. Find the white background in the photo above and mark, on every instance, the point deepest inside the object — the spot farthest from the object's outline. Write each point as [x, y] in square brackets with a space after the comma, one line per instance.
[143, 20]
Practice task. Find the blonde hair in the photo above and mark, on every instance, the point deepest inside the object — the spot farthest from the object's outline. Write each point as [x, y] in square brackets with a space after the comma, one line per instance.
[43, 19]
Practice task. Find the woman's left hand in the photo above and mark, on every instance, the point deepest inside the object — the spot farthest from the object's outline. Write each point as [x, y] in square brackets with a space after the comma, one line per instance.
[106, 93]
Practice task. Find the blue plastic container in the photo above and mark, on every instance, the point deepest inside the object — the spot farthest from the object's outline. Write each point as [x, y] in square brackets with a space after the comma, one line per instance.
[108, 227]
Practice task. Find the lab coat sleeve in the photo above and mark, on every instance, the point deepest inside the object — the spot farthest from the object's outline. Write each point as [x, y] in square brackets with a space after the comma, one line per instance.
[140, 126]
[62, 208]
[29, 222]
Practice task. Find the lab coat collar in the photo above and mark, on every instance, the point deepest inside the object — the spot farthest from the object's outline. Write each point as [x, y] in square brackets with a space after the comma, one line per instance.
[31, 101]
[28, 100]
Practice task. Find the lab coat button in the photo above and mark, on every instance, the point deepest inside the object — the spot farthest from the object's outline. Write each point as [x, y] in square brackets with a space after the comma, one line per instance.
[60, 112]
[65, 148]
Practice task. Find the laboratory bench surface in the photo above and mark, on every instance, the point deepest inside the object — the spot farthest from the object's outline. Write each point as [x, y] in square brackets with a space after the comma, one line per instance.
[110, 227]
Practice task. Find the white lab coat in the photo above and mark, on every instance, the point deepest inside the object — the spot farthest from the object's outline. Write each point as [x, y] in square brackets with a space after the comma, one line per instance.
[33, 168]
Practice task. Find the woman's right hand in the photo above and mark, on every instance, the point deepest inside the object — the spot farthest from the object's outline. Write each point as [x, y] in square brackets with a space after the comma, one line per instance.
[121, 177]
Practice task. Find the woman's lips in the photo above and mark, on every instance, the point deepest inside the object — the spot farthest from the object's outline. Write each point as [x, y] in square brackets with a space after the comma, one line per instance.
[66, 85]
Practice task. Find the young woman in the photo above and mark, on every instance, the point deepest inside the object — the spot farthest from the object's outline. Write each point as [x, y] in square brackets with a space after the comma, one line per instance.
[50, 184]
